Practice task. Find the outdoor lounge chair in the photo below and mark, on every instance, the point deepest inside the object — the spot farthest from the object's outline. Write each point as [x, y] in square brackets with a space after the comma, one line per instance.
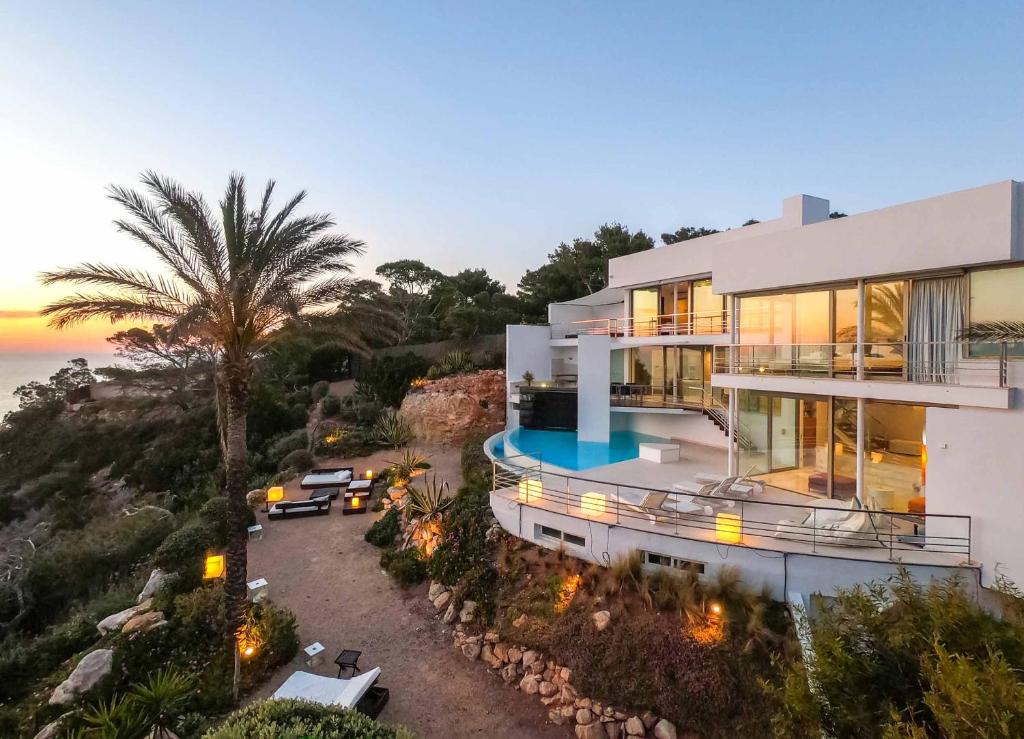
[320, 506]
[327, 477]
[660, 508]
[723, 494]
[827, 513]
[706, 477]
[333, 691]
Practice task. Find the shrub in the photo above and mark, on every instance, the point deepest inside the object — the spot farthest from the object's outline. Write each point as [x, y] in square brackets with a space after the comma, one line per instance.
[476, 466]
[464, 546]
[330, 406]
[285, 443]
[452, 363]
[182, 552]
[391, 429]
[358, 409]
[384, 530]
[328, 362]
[405, 565]
[319, 389]
[300, 460]
[290, 719]
[386, 379]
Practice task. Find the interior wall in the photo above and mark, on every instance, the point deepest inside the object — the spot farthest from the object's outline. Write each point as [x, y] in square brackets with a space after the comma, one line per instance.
[687, 426]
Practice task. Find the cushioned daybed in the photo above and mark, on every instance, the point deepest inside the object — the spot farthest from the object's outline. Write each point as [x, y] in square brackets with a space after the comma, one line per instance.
[327, 477]
[320, 506]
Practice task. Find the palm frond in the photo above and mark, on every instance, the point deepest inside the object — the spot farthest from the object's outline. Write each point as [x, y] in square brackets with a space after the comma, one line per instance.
[75, 309]
[142, 284]
[994, 331]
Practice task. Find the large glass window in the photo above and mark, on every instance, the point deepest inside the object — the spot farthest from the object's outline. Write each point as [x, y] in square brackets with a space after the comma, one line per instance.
[708, 309]
[645, 311]
[884, 329]
[894, 464]
[792, 331]
[844, 331]
[996, 296]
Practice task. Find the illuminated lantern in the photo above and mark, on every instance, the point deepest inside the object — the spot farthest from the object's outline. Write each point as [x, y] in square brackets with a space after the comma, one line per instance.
[369, 474]
[530, 490]
[715, 609]
[924, 460]
[275, 494]
[592, 504]
[729, 528]
[355, 501]
[213, 567]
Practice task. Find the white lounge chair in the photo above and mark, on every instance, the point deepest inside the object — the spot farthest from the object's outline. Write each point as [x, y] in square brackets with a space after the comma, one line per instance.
[328, 691]
[725, 487]
[827, 513]
[706, 477]
[660, 508]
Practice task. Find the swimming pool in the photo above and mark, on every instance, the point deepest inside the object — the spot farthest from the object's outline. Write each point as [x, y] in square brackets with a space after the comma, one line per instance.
[563, 449]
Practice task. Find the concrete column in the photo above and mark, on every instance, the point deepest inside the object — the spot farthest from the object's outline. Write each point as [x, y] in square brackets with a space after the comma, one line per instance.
[734, 460]
[593, 411]
[861, 422]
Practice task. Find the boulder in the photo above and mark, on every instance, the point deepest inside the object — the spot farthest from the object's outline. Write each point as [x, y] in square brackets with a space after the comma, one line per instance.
[471, 650]
[450, 615]
[634, 726]
[145, 622]
[468, 611]
[115, 621]
[52, 730]
[584, 703]
[665, 729]
[501, 651]
[555, 716]
[156, 579]
[530, 684]
[491, 636]
[649, 719]
[514, 654]
[602, 619]
[530, 656]
[94, 667]
[488, 656]
[548, 689]
[442, 600]
[591, 731]
[449, 410]
[435, 590]
[509, 673]
[584, 716]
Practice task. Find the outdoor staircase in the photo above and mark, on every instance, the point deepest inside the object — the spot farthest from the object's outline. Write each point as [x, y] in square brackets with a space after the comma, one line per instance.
[718, 414]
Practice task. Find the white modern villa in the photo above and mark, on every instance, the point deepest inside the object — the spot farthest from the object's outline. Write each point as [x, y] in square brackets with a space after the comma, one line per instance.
[794, 398]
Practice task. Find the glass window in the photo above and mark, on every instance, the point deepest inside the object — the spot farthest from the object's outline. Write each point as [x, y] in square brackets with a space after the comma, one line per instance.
[844, 331]
[894, 463]
[645, 311]
[884, 329]
[996, 296]
[708, 309]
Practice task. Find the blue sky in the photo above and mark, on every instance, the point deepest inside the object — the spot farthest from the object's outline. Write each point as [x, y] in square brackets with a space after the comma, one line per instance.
[482, 134]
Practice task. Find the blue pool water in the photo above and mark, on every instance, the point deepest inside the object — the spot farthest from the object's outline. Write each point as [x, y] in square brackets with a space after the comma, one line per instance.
[563, 449]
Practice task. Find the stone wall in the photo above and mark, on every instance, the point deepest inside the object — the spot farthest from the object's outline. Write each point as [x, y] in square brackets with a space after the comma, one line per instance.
[451, 409]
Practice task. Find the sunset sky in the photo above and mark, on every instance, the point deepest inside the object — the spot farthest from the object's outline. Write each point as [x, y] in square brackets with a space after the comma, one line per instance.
[482, 135]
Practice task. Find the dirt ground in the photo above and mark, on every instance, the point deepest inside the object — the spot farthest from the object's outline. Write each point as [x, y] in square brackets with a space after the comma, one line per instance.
[321, 569]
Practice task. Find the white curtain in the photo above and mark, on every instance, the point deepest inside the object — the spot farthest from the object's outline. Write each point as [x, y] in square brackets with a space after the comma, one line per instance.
[938, 309]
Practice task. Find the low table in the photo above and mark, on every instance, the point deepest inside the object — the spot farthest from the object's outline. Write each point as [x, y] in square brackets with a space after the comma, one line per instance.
[363, 487]
[356, 501]
[348, 660]
[331, 493]
[660, 453]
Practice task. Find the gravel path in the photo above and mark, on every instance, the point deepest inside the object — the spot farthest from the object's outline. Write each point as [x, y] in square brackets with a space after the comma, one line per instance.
[321, 569]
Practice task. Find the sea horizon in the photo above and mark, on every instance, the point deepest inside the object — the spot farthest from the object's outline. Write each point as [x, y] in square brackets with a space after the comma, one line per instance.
[21, 367]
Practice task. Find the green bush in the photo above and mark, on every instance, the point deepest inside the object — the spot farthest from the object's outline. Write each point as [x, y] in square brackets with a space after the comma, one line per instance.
[405, 565]
[464, 551]
[300, 460]
[72, 566]
[387, 378]
[285, 443]
[384, 530]
[183, 551]
[330, 406]
[319, 389]
[217, 515]
[453, 363]
[476, 466]
[391, 429]
[360, 410]
[289, 719]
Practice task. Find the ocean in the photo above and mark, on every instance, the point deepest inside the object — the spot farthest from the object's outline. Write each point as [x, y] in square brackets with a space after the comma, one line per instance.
[20, 368]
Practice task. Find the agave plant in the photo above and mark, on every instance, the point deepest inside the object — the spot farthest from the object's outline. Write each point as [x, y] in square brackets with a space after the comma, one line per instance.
[408, 466]
[391, 429]
[452, 363]
[162, 699]
[427, 503]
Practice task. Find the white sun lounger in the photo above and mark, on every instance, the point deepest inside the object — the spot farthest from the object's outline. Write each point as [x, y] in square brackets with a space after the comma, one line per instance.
[659, 507]
[328, 691]
[325, 479]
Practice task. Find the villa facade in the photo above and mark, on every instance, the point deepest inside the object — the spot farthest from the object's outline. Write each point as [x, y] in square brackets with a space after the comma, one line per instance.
[823, 360]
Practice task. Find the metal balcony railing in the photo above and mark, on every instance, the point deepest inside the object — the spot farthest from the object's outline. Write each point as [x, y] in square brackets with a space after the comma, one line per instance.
[934, 362]
[670, 324]
[922, 538]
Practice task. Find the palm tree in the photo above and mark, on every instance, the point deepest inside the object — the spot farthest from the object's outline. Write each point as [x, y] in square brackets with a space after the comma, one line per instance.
[236, 278]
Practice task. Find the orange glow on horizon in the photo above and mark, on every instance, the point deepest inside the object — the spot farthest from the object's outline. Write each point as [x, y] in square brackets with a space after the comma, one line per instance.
[27, 331]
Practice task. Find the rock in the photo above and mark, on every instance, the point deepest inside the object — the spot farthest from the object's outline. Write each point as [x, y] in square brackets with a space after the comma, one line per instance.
[649, 719]
[601, 620]
[584, 716]
[468, 611]
[530, 656]
[94, 667]
[514, 654]
[620, 716]
[591, 731]
[144, 622]
[537, 667]
[584, 703]
[529, 684]
[115, 621]
[501, 651]
[548, 675]
[509, 673]
[51, 731]
[520, 621]
[449, 410]
[613, 730]
[566, 674]
[156, 579]
[450, 615]
[435, 590]
[471, 650]
[609, 711]
[548, 689]
[634, 726]
[442, 600]
[554, 716]
[491, 637]
[549, 700]
[665, 729]
[568, 695]
[488, 656]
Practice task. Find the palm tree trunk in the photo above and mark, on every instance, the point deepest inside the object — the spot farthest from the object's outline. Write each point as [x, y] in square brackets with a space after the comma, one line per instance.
[236, 391]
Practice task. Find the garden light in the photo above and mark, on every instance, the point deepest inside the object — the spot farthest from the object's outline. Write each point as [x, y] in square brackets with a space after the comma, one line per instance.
[716, 609]
[355, 502]
[729, 528]
[275, 494]
[214, 567]
[593, 504]
[530, 490]
[369, 474]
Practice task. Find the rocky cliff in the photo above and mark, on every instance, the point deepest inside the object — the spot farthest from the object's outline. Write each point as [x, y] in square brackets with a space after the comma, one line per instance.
[451, 409]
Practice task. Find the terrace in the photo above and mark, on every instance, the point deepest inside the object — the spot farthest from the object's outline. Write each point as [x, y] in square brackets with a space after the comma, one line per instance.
[771, 519]
[701, 323]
